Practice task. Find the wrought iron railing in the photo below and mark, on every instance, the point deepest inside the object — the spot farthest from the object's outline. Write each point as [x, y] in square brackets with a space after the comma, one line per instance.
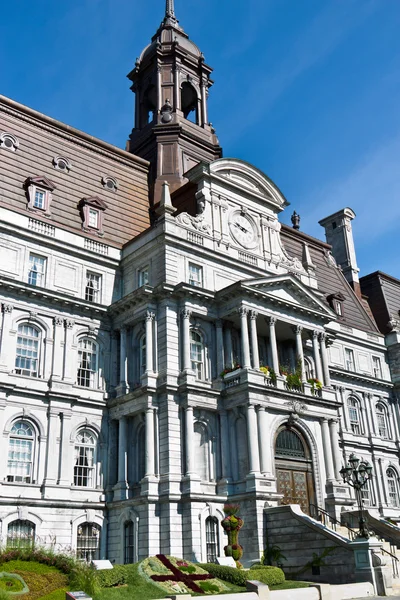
[395, 560]
[321, 515]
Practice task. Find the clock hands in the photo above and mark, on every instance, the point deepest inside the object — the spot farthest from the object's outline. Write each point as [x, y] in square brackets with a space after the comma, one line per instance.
[241, 227]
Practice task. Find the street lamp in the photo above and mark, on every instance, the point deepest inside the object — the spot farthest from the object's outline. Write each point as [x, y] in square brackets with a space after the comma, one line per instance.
[357, 473]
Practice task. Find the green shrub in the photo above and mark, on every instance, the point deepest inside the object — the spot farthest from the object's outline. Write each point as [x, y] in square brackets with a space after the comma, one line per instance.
[84, 577]
[111, 577]
[268, 575]
[4, 595]
[229, 574]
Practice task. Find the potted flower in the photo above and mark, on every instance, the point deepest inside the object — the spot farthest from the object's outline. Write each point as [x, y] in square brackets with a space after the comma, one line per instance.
[230, 369]
[265, 369]
[315, 383]
[284, 372]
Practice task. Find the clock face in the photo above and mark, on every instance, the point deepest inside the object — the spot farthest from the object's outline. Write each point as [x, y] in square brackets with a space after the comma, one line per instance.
[242, 229]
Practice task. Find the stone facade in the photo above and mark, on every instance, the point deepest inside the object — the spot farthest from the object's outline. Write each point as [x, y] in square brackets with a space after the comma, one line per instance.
[143, 368]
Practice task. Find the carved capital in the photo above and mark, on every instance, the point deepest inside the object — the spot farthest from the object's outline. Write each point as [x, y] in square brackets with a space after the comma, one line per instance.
[243, 311]
[297, 329]
[150, 316]
[322, 337]
[315, 334]
[58, 321]
[271, 321]
[253, 315]
[186, 313]
[8, 308]
[69, 323]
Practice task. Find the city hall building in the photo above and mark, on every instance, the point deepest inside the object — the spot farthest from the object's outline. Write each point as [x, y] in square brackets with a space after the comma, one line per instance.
[167, 345]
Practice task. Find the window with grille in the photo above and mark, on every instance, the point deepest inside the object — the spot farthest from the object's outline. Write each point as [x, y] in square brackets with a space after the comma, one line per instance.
[27, 353]
[93, 220]
[87, 363]
[85, 459]
[143, 276]
[354, 415]
[349, 358]
[129, 543]
[93, 287]
[21, 447]
[142, 354]
[382, 421]
[197, 354]
[212, 541]
[37, 270]
[288, 443]
[88, 542]
[376, 364]
[392, 481]
[195, 275]
[21, 534]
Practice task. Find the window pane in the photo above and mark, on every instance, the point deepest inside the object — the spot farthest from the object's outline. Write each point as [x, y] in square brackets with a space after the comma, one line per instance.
[195, 275]
[93, 287]
[212, 539]
[87, 363]
[144, 276]
[37, 270]
[21, 534]
[85, 459]
[93, 218]
[129, 535]
[27, 353]
[88, 542]
[40, 199]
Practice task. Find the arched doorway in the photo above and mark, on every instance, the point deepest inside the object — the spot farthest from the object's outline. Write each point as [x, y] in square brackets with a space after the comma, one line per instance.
[293, 467]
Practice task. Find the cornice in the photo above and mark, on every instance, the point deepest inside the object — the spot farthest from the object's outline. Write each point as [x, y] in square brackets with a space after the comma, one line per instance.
[353, 376]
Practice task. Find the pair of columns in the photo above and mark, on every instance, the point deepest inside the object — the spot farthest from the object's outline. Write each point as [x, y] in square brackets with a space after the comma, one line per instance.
[149, 329]
[332, 453]
[150, 462]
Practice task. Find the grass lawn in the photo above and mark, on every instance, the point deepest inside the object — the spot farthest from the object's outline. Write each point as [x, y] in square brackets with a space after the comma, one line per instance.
[43, 581]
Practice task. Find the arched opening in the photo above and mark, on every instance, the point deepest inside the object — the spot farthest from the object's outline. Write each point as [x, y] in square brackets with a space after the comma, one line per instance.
[293, 466]
[149, 105]
[212, 539]
[189, 103]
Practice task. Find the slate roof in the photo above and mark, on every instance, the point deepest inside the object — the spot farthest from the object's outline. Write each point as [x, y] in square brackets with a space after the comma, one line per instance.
[383, 293]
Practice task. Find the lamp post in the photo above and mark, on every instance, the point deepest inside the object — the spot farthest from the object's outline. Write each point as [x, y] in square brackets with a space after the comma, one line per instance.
[357, 473]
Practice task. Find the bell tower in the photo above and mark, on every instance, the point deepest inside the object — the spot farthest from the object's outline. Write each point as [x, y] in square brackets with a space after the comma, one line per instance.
[171, 82]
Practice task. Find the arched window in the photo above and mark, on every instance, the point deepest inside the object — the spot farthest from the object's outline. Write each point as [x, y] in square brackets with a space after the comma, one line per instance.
[189, 102]
[354, 415]
[129, 543]
[27, 355]
[88, 542]
[87, 363]
[212, 539]
[202, 452]
[197, 354]
[21, 447]
[288, 443]
[142, 355]
[21, 534]
[393, 487]
[381, 418]
[309, 368]
[85, 459]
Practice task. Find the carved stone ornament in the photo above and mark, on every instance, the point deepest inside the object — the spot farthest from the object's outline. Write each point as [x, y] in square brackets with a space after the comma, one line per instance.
[69, 323]
[186, 313]
[330, 258]
[58, 321]
[150, 316]
[166, 112]
[394, 324]
[197, 222]
[8, 308]
[298, 407]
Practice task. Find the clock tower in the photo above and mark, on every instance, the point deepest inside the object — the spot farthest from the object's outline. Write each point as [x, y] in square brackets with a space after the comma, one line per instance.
[171, 81]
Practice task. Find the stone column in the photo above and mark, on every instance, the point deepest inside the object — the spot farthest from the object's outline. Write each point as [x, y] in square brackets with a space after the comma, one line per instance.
[342, 391]
[383, 482]
[254, 339]
[5, 340]
[58, 351]
[225, 450]
[149, 342]
[186, 362]
[69, 356]
[325, 360]
[372, 411]
[228, 345]
[150, 463]
[123, 367]
[67, 447]
[114, 360]
[159, 86]
[337, 457]
[366, 416]
[176, 89]
[273, 345]
[52, 456]
[190, 468]
[330, 475]
[375, 480]
[298, 330]
[122, 452]
[220, 346]
[204, 101]
[317, 358]
[245, 337]
[264, 441]
[252, 436]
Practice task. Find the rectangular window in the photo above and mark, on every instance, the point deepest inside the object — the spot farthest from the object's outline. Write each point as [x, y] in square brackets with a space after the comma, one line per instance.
[19, 466]
[382, 429]
[338, 308]
[93, 287]
[195, 275]
[349, 358]
[143, 276]
[93, 218]
[37, 270]
[376, 364]
[39, 199]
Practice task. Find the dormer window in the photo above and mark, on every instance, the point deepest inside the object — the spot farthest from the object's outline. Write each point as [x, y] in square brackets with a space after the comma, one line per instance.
[39, 190]
[336, 303]
[110, 183]
[62, 164]
[8, 141]
[92, 213]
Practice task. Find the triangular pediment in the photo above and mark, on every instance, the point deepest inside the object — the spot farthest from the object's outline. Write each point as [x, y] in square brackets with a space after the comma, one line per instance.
[41, 181]
[290, 291]
[94, 201]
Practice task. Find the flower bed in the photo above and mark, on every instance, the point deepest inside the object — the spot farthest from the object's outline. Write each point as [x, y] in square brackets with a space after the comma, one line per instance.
[177, 576]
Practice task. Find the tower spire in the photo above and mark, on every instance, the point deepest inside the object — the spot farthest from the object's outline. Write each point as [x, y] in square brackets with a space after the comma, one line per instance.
[170, 9]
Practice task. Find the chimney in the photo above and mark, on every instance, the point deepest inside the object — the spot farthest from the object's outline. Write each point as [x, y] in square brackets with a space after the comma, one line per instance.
[339, 235]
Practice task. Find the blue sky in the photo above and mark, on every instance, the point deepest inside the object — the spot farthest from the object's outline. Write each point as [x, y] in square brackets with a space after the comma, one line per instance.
[307, 90]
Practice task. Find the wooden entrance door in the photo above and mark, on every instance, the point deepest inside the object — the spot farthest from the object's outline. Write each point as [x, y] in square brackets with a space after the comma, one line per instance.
[294, 470]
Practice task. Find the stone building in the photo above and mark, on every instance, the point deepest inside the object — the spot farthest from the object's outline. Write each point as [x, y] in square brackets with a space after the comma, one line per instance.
[141, 292]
